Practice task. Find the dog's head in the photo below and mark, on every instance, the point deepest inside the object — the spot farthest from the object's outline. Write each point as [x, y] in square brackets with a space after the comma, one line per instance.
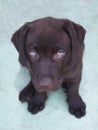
[51, 49]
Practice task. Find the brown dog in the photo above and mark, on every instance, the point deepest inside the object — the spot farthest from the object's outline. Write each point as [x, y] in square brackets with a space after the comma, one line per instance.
[52, 50]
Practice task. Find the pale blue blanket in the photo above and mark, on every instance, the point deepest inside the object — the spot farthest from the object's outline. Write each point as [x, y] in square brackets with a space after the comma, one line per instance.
[13, 114]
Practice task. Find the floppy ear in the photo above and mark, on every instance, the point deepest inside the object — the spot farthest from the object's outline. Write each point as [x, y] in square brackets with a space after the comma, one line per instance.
[80, 32]
[18, 40]
[77, 35]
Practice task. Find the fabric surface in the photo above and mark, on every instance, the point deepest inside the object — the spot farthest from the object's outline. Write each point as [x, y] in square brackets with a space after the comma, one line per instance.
[13, 77]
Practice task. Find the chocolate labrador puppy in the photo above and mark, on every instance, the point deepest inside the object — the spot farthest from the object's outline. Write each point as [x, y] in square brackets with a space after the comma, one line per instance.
[52, 50]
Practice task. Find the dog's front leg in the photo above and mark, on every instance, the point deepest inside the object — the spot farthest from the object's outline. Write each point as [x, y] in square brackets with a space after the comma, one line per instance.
[36, 100]
[27, 93]
[75, 102]
[37, 103]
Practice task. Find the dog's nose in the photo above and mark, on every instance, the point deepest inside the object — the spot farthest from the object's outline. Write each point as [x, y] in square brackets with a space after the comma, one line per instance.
[45, 83]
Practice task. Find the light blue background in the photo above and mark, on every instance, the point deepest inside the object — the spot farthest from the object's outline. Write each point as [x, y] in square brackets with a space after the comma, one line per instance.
[13, 114]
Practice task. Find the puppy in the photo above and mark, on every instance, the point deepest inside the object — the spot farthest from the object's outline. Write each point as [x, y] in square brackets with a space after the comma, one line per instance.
[52, 50]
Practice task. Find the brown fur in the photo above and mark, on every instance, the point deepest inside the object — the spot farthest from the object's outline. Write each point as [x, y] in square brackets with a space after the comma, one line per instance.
[46, 35]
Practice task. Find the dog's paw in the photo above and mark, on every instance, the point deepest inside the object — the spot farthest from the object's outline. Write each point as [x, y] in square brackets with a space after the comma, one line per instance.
[25, 95]
[35, 107]
[77, 108]
[37, 103]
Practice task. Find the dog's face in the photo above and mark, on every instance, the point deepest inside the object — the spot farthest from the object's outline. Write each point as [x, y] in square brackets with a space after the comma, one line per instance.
[46, 49]
[48, 54]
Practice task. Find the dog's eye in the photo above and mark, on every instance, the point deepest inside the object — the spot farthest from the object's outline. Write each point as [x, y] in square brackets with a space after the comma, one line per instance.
[61, 53]
[34, 54]
[58, 55]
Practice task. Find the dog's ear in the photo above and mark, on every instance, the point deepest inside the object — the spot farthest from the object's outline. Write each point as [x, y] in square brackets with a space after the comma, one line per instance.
[80, 32]
[18, 40]
[77, 35]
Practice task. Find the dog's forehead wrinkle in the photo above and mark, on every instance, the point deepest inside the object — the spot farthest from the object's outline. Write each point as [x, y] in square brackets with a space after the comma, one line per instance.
[53, 37]
[52, 43]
